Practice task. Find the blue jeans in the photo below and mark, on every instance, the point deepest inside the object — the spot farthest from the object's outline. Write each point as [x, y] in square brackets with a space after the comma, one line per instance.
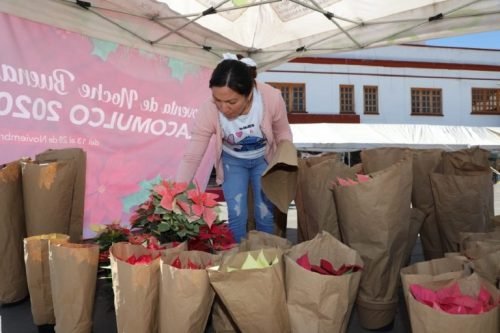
[238, 174]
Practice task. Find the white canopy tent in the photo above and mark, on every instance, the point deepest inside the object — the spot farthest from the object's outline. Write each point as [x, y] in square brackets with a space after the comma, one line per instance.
[351, 137]
[270, 31]
[274, 31]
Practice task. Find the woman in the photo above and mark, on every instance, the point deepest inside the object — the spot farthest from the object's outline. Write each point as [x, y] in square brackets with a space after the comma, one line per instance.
[248, 119]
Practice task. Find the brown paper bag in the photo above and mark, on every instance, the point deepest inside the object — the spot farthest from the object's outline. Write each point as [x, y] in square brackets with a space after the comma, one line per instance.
[221, 319]
[488, 267]
[136, 289]
[79, 157]
[496, 221]
[425, 319]
[48, 195]
[470, 161]
[256, 240]
[36, 257]
[321, 303]
[425, 161]
[377, 159]
[316, 208]
[417, 218]
[186, 296]
[462, 204]
[433, 270]
[73, 274]
[468, 238]
[483, 249]
[279, 180]
[13, 285]
[374, 219]
[255, 298]
[306, 229]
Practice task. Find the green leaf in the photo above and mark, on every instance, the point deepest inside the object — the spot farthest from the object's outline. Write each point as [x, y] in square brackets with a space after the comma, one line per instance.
[163, 227]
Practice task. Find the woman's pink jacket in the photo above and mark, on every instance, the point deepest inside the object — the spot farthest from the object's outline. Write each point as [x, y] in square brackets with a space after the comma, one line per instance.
[274, 126]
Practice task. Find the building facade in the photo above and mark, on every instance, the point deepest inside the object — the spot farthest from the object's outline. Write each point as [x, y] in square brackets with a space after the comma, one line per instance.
[403, 84]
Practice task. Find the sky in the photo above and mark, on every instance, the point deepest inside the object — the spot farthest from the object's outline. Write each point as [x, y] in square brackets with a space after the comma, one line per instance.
[484, 40]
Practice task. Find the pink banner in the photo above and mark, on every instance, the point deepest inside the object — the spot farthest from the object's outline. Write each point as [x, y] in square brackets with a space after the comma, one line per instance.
[130, 110]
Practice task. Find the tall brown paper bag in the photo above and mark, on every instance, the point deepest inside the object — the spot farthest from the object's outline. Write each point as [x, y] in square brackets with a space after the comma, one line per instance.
[374, 219]
[186, 296]
[425, 161]
[48, 195]
[462, 204]
[73, 274]
[321, 303]
[255, 298]
[13, 285]
[136, 289]
[36, 257]
[79, 159]
[316, 208]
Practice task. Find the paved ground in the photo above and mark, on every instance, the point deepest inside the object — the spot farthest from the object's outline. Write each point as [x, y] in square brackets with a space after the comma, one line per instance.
[16, 318]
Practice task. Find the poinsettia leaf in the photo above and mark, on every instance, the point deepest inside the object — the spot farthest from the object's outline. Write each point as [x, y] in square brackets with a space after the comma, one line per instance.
[327, 266]
[303, 261]
[163, 227]
[318, 269]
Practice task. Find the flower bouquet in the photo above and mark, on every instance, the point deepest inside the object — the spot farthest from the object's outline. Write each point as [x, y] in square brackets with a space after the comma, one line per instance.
[213, 239]
[175, 212]
[106, 235]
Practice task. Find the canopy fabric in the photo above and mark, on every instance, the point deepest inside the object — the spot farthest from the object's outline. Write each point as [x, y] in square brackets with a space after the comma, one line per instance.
[351, 137]
[269, 31]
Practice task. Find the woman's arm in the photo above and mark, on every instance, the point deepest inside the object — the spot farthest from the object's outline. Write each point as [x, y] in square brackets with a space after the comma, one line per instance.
[281, 127]
[201, 134]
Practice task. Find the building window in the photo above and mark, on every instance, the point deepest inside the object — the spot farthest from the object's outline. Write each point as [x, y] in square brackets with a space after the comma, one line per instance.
[426, 102]
[485, 101]
[347, 99]
[294, 95]
[370, 94]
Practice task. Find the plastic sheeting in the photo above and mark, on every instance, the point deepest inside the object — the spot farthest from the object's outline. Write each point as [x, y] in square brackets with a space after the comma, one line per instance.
[351, 137]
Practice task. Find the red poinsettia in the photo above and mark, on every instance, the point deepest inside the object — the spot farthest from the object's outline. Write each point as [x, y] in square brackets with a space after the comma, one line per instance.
[189, 265]
[141, 260]
[325, 267]
[146, 240]
[451, 299]
[106, 235]
[217, 237]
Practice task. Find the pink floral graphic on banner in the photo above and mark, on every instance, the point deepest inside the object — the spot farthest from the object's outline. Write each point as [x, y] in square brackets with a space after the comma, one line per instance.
[105, 189]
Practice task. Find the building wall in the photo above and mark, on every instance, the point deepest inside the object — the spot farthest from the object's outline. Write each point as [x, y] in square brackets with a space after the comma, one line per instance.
[394, 82]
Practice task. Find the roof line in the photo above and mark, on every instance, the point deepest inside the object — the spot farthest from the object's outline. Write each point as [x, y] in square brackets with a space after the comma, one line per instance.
[450, 47]
[396, 63]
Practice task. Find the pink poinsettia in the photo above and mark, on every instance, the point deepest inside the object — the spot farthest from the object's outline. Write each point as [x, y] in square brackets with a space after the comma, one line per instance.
[169, 192]
[203, 204]
[175, 211]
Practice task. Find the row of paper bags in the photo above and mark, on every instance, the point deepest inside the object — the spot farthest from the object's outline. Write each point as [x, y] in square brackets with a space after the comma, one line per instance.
[40, 196]
[160, 297]
[283, 297]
